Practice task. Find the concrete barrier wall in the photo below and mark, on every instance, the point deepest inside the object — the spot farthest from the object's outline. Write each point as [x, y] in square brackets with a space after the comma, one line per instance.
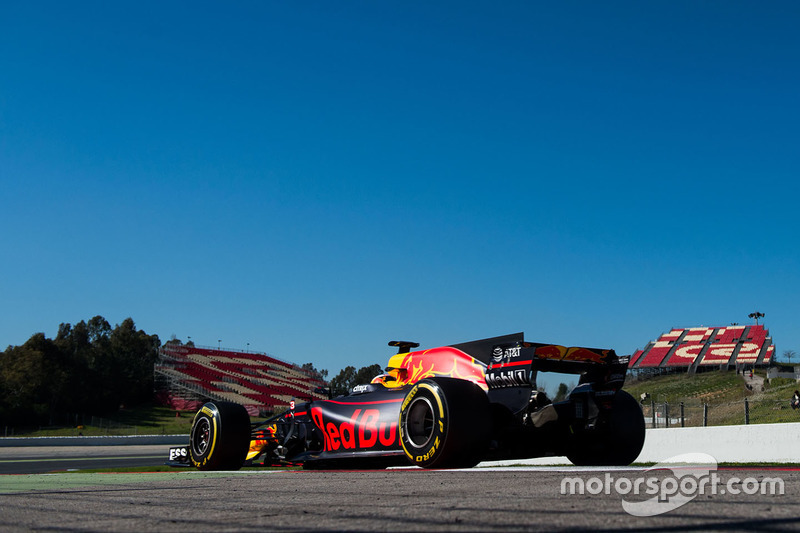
[138, 440]
[753, 443]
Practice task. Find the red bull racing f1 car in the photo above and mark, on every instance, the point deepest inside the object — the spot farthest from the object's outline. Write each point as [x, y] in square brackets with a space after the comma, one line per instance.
[447, 407]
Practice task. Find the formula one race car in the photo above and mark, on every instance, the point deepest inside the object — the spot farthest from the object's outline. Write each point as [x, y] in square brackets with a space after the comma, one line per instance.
[447, 407]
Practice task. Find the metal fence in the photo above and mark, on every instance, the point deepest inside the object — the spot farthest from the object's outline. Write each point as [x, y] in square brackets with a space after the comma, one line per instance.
[693, 413]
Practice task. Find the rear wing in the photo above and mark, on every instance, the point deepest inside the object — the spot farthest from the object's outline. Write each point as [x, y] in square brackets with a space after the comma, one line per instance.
[544, 357]
[513, 361]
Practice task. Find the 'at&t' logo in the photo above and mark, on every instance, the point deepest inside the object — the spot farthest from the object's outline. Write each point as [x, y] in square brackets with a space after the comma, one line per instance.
[498, 353]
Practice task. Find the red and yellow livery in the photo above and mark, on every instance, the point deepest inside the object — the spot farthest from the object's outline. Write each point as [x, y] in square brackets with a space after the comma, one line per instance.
[451, 406]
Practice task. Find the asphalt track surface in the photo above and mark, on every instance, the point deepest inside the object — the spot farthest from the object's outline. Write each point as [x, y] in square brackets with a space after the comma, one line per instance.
[43, 459]
[480, 499]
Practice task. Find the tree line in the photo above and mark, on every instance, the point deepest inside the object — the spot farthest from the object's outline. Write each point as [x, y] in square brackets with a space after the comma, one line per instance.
[346, 379]
[92, 368]
[89, 367]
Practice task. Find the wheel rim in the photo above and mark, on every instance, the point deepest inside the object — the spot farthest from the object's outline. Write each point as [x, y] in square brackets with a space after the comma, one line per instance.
[201, 435]
[419, 424]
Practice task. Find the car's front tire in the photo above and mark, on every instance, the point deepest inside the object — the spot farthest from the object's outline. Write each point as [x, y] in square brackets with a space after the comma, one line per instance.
[445, 423]
[220, 436]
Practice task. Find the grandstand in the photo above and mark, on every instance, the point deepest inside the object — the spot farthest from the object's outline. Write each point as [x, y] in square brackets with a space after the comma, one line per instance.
[186, 376]
[700, 348]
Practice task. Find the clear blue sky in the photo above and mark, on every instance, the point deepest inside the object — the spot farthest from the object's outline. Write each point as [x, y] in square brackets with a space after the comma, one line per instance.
[318, 178]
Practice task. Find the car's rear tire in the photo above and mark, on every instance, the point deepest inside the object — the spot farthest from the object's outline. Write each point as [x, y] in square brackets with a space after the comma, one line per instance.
[445, 423]
[617, 441]
[220, 436]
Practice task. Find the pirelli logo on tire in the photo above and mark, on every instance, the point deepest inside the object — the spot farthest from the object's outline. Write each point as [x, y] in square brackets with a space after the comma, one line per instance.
[423, 423]
[203, 438]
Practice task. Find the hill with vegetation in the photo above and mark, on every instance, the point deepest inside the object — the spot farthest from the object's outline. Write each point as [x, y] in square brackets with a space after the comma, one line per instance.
[723, 392]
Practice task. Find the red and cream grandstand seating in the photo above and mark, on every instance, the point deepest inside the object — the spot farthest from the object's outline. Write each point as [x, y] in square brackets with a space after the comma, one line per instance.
[707, 346]
[259, 382]
[691, 344]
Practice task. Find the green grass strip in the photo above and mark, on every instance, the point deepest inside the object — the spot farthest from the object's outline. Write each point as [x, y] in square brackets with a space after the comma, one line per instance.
[72, 480]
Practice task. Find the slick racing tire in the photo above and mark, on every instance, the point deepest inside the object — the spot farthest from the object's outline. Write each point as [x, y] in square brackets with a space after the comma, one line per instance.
[445, 423]
[220, 436]
[617, 441]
